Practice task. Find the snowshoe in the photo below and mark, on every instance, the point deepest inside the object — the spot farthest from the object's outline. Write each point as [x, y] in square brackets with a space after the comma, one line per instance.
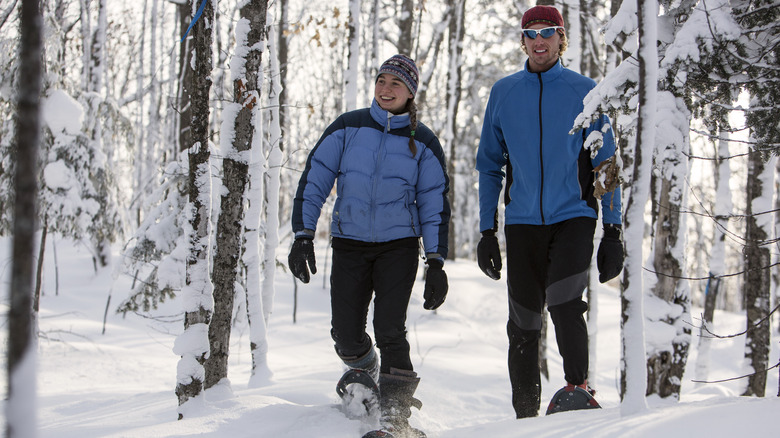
[359, 394]
[571, 398]
[410, 432]
[379, 434]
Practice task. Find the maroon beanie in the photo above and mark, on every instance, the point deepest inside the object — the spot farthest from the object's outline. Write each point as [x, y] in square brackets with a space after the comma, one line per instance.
[542, 14]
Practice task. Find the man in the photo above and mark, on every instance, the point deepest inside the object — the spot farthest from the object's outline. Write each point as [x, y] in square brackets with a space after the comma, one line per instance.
[551, 210]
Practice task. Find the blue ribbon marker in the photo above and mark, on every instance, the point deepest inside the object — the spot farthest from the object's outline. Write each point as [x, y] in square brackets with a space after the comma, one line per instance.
[195, 19]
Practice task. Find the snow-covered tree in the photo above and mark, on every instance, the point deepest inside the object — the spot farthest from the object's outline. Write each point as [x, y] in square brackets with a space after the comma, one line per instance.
[156, 254]
[20, 406]
[239, 130]
[716, 262]
[192, 345]
[757, 274]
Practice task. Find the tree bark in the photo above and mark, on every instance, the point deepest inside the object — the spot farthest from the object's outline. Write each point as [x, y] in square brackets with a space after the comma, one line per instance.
[185, 78]
[457, 10]
[756, 288]
[667, 363]
[717, 259]
[406, 26]
[633, 376]
[198, 287]
[230, 223]
[21, 398]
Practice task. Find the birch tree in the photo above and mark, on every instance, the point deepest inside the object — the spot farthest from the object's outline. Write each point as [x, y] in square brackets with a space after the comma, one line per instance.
[668, 319]
[616, 92]
[716, 262]
[192, 345]
[260, 255]
[185, 79]
[272, 184]
[405, 21]
[238, 133]
[107, 223]
[456, 11]
[353, 56]
[756, 288]
[20, 406]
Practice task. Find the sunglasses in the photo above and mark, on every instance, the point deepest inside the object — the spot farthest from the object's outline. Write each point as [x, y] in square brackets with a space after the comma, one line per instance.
[547, 32]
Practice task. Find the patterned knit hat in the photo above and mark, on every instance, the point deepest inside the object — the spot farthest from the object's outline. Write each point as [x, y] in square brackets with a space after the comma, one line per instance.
[542, 14]
[404, 69]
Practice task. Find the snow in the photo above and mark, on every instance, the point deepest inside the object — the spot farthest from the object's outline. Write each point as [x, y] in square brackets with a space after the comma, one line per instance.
[121, 384]
[62, 113]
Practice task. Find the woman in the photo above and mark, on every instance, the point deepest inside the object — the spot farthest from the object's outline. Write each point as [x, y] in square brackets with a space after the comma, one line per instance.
[392, 189]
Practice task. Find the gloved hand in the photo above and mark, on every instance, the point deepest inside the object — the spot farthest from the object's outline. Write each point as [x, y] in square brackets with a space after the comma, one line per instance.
[436, 285]
[301, 253]
[609, 258]
[489, 255]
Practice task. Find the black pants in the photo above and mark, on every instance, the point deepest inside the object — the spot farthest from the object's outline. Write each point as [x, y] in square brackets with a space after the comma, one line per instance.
[546, 263]
[386, 270]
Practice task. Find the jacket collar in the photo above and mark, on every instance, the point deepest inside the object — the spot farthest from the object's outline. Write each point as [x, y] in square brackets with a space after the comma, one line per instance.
[381, 116]
[548, 75]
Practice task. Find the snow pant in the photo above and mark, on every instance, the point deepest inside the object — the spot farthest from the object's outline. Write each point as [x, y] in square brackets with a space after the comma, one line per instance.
[546, 263]
[387, 271]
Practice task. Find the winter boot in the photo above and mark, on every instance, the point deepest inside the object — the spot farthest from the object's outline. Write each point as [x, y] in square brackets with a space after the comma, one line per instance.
[396, 399]
[358, 386]
[367, 362]
[584, 386]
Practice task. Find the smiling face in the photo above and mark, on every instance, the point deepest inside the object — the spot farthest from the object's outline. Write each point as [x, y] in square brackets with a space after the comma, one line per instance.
[391, 93]
[542, 53]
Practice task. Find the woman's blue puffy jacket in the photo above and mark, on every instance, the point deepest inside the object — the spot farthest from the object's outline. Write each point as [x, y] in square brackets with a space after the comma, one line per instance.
[383, 192]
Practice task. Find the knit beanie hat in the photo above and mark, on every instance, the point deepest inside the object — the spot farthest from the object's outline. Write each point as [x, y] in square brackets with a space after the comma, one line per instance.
[542, 14]
[404, 69]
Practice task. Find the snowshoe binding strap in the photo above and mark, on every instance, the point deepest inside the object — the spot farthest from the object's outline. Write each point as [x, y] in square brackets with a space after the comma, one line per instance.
[356, 376]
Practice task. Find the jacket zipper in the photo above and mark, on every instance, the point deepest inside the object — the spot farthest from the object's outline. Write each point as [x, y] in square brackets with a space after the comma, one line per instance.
[541, 155]
[377, 165]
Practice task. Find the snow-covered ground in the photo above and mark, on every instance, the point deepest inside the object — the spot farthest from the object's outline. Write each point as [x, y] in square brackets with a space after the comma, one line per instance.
[121, 383]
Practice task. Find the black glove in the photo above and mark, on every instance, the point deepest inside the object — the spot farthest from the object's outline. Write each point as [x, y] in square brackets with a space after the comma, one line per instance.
[436, 285]
[609, 259]
[301, 253]
[489, 255]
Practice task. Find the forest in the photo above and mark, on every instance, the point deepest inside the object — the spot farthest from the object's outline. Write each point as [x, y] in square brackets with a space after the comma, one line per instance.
[178, 129]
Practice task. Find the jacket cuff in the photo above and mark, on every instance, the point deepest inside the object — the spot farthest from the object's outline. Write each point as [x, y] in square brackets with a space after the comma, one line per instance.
[613, 231]
[305, 234]
[434, 258]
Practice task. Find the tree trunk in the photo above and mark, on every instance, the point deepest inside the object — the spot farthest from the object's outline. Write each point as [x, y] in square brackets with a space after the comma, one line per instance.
[21, 399]
[406, 28]
[633, 376]
[591, 59]
[230, 223]
[86, 33]
[272, 189]
[353, 56]
[717, 259]
[185, 78]
[667, 361]
[756, 288]
[100, 234]
[282, 46]
[457, 10]
[198, 288]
